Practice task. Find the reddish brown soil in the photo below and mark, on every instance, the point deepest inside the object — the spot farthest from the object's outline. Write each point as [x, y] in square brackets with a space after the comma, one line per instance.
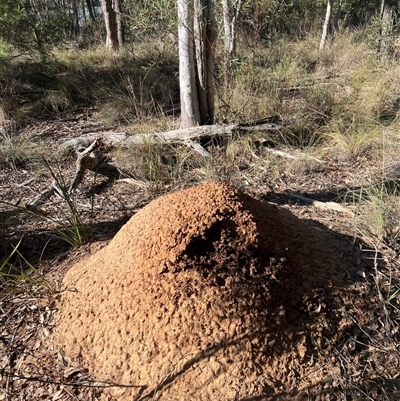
[208, 294]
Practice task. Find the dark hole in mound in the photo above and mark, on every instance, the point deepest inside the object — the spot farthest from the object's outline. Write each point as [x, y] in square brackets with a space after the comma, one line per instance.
[221, 252]
[204, 246]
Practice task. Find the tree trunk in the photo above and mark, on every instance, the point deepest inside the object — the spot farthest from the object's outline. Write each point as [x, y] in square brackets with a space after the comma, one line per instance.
[31, 11]
[120, 25]
[183, 135]
[337, 16]
[230, 17]
[110, 23]
[197, 35]
[91, 11]
[190, 111]
[327, 25]
[84, 12]
[75, 20]
[227, 26]
[205, 37]
[386, 43]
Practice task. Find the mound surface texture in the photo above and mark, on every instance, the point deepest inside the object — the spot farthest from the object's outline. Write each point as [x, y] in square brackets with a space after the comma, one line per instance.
[205, 294]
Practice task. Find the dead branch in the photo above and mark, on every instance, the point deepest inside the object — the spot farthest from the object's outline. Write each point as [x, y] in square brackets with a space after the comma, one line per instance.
[322, 205]
[87, 160]
[89, 147]
[300, 156]
[184, 136]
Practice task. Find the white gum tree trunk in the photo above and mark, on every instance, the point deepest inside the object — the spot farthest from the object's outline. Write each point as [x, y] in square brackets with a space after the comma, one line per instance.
[387, 12]
[196, 33]
[327, 22]
[230, 15]
[190, 112]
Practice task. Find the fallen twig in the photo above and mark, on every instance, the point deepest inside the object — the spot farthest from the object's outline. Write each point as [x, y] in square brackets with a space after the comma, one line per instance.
[323, 205]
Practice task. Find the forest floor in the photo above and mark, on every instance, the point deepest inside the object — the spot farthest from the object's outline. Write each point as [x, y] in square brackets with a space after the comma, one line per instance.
[365, 362]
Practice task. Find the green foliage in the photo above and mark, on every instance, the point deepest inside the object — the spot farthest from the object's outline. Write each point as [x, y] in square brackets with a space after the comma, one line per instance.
[266, 19]
[151, 17]
[152, 163]
[5, 48]
[358, 13]
[28, 25]
[20, 277]
[38, 25]
[69, 225]
[14, 24]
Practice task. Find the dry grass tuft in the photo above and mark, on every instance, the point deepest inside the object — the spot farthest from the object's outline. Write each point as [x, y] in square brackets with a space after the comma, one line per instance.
[354, 141]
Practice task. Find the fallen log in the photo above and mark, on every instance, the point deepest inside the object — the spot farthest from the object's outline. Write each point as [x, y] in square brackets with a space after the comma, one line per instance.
[90, 147]
[185, 136]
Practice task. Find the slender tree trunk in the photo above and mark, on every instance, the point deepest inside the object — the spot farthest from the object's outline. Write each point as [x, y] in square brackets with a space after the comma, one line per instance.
[110, 21]
[120, 25]
[190, 110]
[387, 13]
[84, 11]
[31, 12]
[205, 37]
[337, 17]
[327, 24]
[230, 17]
[75, 21]
[227, 26]
[197, 35]
[90, 9]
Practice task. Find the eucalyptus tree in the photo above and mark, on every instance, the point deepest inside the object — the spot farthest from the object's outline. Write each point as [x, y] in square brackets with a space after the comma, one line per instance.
[388, 12]
[230, 14]
[110, 22]
[327, 24]
[33, 24]
[197, 36]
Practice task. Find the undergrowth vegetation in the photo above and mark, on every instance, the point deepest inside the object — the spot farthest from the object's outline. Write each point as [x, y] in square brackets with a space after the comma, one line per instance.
[18, 276]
